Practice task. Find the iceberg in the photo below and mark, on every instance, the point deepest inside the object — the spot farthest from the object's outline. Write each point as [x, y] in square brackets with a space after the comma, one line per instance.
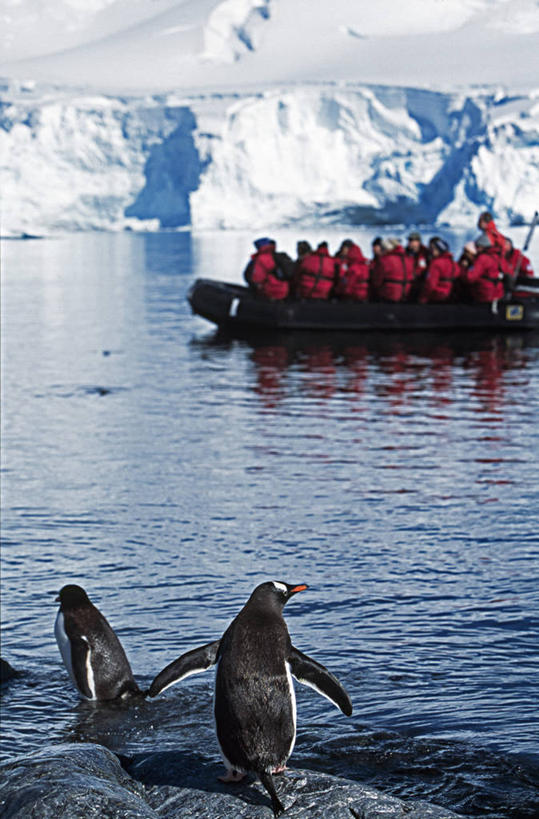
[342, 153]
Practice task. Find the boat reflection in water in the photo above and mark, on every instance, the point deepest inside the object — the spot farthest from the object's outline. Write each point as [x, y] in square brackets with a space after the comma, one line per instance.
[397, 370]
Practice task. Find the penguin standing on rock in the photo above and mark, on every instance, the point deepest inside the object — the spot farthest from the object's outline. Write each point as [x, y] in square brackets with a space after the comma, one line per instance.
[90, 649]
[255, 704]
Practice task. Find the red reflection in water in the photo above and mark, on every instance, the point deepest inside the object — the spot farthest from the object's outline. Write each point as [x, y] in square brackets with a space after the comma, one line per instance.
[490, 367]
[271, 365]
[397, 370]
[319, 365]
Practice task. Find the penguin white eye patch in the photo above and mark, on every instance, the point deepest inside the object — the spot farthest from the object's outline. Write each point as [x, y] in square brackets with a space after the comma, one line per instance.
[280, 587]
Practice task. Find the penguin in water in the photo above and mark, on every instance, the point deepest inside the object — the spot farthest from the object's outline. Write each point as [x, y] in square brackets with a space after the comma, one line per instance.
[90, 649]
[255, 704]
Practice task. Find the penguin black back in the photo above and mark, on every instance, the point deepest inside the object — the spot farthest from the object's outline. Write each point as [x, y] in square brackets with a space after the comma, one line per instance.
[92, 653]
[255, 705]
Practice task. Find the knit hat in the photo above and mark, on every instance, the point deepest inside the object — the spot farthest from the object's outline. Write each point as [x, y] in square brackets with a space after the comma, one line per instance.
[376, 241]
[470, 247]
[440, 244]
[414, 236]
[259, 243]
[483, 241]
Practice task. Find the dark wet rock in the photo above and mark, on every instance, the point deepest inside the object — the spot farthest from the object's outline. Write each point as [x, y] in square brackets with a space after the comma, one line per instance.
[82, 780]
[7, 672]
[72, 780]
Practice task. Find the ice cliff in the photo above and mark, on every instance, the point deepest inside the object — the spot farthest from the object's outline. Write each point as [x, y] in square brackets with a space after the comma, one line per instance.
[340, 152]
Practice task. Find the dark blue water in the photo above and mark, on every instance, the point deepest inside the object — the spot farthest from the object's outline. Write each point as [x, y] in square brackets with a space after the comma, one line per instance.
[169, 471]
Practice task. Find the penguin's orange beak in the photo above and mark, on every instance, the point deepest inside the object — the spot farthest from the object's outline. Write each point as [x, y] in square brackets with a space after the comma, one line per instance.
[299, 588]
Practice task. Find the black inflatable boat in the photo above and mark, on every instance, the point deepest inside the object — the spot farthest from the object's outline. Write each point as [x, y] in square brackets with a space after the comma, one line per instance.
[237, 309]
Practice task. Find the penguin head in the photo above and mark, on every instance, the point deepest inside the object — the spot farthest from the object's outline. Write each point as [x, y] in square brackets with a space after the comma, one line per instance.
[276, 593]
[70, 597]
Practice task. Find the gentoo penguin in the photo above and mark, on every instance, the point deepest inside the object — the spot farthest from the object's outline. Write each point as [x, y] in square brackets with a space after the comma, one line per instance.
[255, 704]
[90, 649]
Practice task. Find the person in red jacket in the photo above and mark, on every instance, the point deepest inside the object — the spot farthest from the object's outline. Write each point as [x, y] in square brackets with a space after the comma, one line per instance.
[264, 274]
[353, 273]
[484, 278]
[419, 253]
[515, 262]
[316, 274]
[515, 265]
[438, 284]
[485, 223]
[393, 273]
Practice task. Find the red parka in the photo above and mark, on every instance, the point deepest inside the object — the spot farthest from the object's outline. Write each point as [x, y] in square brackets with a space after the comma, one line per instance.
[316, 275]
[263, 275]
[483, 277]
[440, 278]
[392, 275]
[420, 259]
[515, 259]
[353, 273]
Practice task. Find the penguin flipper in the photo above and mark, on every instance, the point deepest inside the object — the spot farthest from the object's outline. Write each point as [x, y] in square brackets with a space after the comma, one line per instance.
[193, 662]
[309, 672]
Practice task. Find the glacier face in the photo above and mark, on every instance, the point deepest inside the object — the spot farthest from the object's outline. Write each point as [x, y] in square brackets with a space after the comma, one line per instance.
[341, 153]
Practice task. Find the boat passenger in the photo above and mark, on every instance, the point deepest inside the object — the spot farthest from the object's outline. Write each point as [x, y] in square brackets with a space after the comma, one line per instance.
[515, 262]
[393, 273]
[467, 257]
[484, 278]
[316, 274]
[303, 248]
[264, 272]
[441, 274]
[515, 265]
[466, 260]
[419, 253]
[352, 273]
[485, 223]
[376, 248]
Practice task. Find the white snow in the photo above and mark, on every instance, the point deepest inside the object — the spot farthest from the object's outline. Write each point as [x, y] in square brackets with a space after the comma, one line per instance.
[250, 113]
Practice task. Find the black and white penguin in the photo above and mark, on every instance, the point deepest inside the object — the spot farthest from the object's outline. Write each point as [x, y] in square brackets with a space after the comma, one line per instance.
[90, 649]
[255, 704]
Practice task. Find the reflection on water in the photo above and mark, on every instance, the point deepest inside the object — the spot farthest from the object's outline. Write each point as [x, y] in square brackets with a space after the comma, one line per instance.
[404, 367]
[169, 469]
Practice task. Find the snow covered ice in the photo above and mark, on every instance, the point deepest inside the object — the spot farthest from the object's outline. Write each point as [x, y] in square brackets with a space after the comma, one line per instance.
[251, 113]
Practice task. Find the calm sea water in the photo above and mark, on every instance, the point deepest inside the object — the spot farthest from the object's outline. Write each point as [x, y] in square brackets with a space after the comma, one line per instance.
[169, 471]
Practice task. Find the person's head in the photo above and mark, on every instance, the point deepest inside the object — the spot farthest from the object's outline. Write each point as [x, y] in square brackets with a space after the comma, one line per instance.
[438, 246]
[303, 248]
[484, 220]
[322, 246]
[390, 244]
[264, 242]
[346, 244]
[377, 246]
[469, 252]
[414, 242]
[507, 245]
[482, 242]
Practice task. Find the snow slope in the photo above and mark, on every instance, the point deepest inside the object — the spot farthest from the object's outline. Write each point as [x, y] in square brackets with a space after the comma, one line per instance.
[233, 113]
[160, 44]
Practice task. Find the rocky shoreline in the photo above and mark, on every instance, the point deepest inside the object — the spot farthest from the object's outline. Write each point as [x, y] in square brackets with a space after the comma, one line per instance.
[80, 780]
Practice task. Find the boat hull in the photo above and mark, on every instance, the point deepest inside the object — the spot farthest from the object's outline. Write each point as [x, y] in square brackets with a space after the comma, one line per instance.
[236, 309]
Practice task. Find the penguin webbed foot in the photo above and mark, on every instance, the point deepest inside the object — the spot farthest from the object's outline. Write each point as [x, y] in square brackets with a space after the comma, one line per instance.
[231, 776]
